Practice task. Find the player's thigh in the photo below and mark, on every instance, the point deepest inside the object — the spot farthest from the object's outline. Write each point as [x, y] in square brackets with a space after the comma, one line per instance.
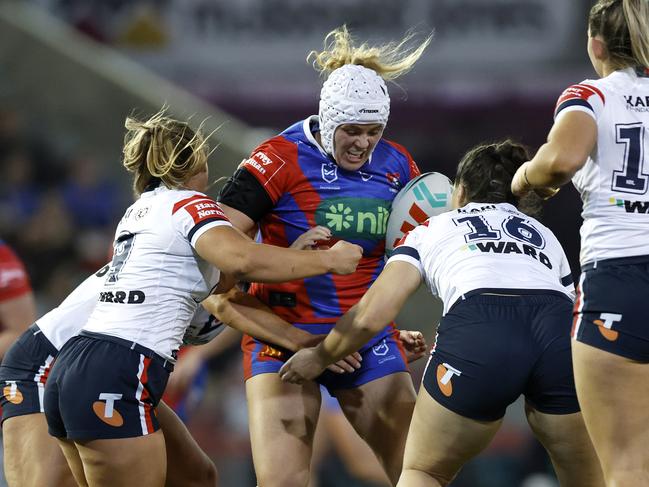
[440, 441]
[71, 454]
[31, 456]
[139, 460]
[380, 413]
[282, 420]
[566, 439]
[615, 404]
[187, 464]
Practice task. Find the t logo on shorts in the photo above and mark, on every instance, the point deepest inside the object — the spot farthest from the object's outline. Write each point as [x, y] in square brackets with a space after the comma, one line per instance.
[12, 393]
[106, 410]
[605, 325]
[444, 375]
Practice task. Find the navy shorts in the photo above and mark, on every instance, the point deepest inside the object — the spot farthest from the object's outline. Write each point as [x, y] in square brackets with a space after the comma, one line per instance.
[23, 373]
[103, 387]
[491, 349]
[612, 307]
[383, 356]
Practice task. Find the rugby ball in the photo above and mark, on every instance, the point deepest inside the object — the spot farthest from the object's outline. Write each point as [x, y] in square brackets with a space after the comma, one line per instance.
[203, 328]
[427, 195]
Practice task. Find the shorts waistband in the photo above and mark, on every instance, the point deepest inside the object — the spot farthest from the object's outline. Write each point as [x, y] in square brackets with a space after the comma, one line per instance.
[505, 296]
[147, 352]
[636, 259]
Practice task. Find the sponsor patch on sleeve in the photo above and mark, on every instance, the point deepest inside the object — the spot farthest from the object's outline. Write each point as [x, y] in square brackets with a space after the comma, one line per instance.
[580, 97]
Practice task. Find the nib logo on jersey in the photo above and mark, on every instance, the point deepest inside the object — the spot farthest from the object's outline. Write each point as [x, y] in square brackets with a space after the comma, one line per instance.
[365, 218]
[630, 206]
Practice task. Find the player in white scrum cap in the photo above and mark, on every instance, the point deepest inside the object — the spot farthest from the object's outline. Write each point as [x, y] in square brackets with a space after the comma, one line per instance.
[333, 175]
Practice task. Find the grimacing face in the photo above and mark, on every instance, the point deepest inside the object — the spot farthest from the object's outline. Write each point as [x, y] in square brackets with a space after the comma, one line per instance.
[354, 143]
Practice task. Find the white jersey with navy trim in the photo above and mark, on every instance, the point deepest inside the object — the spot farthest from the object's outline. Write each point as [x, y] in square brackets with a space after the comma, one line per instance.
[69, 317]
[485, 246]
[156, 279]
[614, 182]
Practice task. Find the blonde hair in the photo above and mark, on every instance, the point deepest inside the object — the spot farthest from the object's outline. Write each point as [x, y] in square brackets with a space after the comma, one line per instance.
[388, 60]
[162, 148]
[624, 27]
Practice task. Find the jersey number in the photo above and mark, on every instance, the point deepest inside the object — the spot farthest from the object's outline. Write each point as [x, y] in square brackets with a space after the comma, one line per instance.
[631, 179]
[514, 226]
[123, 246]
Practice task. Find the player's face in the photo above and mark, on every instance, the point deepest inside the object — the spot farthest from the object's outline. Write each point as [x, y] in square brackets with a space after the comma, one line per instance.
[199, 181]
[353, 144]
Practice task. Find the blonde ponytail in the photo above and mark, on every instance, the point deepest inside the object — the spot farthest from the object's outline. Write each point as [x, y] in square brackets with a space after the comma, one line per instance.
[388, 60]
[636, 13]
[162, 148]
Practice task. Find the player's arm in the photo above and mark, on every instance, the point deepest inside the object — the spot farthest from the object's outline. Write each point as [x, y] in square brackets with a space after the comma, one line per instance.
[16, 315]
[570, 142]
[249, 315]
[376, 309]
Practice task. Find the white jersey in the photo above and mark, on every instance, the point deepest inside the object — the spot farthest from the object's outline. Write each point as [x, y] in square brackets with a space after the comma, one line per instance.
[488, 247]
[156, 278]
[614, 182]
[69, 317]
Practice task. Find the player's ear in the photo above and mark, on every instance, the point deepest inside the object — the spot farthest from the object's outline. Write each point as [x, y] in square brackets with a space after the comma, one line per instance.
[598, 48]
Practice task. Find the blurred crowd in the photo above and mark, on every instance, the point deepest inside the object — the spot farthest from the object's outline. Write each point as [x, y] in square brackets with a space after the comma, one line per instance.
[57, 208]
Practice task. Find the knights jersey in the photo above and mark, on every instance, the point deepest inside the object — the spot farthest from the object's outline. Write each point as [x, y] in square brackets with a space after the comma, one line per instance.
[156, 279]
[614, 182]
[308, 188]
[486, 247]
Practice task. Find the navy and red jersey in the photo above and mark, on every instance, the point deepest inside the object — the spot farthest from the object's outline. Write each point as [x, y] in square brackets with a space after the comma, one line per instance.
[304, 187]
[14, 281]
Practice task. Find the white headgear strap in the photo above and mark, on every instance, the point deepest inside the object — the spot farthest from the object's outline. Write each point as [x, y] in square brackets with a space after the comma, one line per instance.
[351, 94]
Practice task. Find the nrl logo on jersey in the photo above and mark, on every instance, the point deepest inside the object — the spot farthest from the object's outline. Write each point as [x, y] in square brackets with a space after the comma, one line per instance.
[329, 172]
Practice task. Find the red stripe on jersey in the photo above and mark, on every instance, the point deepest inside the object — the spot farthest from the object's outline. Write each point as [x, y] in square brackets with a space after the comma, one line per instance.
[596, 91]
[407, 226]
[204, 209]
[182, 203]
[579, 92]
[412, 165]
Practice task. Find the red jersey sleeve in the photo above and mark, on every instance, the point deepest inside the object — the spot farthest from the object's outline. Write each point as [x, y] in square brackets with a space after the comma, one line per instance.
[273, 164]
[413, 169]
[14, 281]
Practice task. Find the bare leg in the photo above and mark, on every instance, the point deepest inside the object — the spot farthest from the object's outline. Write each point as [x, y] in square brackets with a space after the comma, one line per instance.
[140, 461]
[440, 442]
[380, 413]
[614, 398]
[25, 438]
[283, 419]
[187, 464]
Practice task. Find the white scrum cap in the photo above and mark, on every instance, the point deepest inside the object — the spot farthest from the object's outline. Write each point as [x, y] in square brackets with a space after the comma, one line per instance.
[351, 94]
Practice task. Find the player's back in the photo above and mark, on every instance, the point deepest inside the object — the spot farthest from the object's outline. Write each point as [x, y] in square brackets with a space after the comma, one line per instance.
[156, 279]
[614, 183]
[487, 247]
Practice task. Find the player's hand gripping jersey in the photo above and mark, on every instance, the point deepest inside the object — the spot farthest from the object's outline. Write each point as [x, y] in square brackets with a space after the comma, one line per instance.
[485, 247]
[614, 183]
[156, 278]
[296, 186]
